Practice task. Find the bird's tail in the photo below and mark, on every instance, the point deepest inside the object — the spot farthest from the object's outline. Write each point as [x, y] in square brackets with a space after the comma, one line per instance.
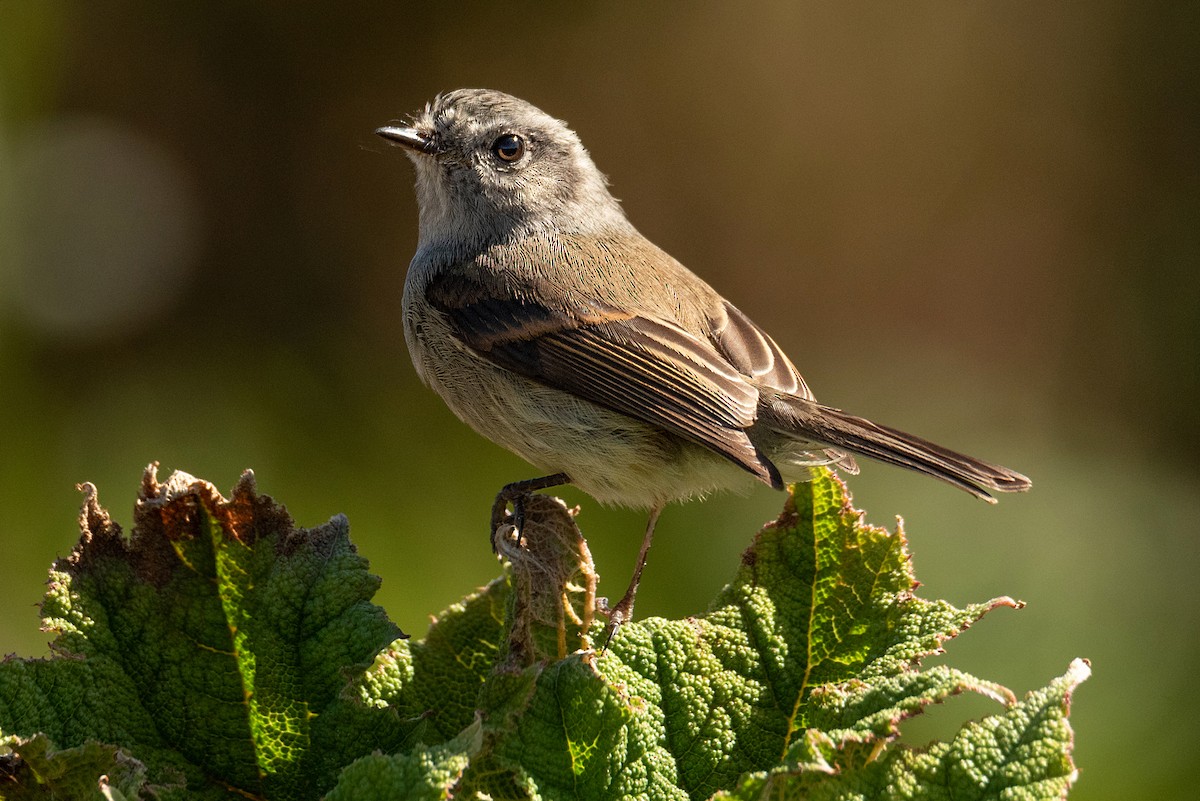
[806, 419]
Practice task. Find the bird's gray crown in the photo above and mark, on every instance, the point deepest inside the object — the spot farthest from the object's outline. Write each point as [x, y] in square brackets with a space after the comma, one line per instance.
[490, 166]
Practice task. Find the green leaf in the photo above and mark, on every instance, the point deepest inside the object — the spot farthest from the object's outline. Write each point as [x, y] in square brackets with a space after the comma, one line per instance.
[1022, 754]
[438, 679]
[209, 644]
[36, 769]
[425, 773]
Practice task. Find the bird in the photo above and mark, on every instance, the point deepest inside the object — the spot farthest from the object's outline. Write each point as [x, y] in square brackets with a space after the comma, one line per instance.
[549, 324]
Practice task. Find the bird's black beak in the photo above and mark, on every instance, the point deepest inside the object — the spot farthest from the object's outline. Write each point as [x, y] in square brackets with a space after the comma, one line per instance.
[410, 138]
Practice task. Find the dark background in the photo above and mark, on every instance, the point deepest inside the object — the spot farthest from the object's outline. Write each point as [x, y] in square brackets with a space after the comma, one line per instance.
[974, 221]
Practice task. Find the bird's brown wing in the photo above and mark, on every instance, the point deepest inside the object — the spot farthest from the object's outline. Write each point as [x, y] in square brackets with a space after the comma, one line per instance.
[753, 353]
[648, 369]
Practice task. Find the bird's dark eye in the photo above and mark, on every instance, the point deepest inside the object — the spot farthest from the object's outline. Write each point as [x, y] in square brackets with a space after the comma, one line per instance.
[509, 148]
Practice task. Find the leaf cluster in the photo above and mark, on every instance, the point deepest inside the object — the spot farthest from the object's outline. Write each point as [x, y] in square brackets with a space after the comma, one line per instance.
[219, 651]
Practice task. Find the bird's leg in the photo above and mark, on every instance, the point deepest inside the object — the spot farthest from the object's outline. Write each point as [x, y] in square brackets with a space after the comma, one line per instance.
[623, 612]
[515, 493]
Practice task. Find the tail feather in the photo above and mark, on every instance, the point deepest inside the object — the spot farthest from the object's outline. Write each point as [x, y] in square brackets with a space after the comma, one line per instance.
[828, 426]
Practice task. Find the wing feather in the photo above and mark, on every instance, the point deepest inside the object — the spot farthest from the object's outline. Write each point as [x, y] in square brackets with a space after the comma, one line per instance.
[752, 351]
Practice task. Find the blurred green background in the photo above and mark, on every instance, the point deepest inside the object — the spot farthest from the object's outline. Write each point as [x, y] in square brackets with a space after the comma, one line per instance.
[974, 221]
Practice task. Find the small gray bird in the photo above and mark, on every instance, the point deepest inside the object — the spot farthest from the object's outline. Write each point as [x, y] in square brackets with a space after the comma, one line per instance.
[552, 327]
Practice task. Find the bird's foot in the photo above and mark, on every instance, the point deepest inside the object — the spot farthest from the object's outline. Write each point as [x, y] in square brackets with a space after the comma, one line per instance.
[515, 493]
